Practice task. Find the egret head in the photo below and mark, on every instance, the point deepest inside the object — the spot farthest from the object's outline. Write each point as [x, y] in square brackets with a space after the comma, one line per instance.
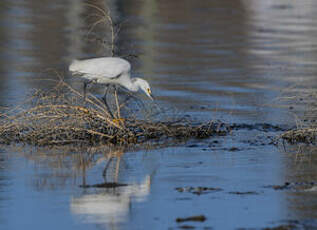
[145, 87]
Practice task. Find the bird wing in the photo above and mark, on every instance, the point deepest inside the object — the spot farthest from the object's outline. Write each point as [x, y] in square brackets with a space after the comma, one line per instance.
[105, 67]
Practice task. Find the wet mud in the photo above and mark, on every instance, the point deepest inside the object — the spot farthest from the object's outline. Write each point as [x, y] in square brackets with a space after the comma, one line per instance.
[198, 190]
[296, 186]
[244, 193]
[104, 185]
[293, 225]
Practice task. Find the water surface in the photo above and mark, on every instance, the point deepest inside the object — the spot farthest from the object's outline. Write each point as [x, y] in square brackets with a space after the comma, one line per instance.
[227, 60]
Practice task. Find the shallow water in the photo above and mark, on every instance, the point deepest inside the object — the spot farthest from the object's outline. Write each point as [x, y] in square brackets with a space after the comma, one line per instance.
[228, 60]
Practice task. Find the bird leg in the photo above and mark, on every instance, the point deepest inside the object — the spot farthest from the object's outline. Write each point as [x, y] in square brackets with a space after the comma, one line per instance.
[104, 98]
[104, 173]
[117, 169]
[117, 102]
[86, 84]
[85, 89]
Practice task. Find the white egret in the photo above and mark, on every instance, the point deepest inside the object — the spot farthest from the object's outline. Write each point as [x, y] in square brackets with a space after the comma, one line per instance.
[109, 70]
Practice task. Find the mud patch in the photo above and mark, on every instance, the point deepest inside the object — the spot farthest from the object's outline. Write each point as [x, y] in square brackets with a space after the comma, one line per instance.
[198, 190]
[298, 186]
[245, 193]
[199, 218]
[262, 140]
[104, 185]
[282, 227]
[263, 127]
[186, 227]
[294, 225]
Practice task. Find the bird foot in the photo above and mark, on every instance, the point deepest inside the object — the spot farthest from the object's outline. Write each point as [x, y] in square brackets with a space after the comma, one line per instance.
[118, 121]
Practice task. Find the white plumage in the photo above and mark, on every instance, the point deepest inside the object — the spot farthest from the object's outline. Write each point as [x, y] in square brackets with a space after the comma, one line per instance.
[101, 68]
[109, 70]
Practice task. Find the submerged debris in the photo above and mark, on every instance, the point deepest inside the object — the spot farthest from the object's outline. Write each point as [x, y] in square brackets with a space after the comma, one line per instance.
[200, 218]
[62, 116]
[264, 127]
[299, 186]
[282, 227]
[244, 193]
[198, 190]
[293, 224]
[186, 227]
[104, 185]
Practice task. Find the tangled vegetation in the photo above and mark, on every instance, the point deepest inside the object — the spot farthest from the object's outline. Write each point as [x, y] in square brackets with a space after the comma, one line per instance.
[63, 116]
[306, 125]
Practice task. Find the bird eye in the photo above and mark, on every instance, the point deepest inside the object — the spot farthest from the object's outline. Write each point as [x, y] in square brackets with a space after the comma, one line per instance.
[149, 90]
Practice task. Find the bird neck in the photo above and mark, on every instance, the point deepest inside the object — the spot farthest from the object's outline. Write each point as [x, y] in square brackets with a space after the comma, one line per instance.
[133, 85]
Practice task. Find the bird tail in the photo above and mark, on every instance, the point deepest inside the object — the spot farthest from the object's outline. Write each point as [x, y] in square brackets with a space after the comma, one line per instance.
[73, 65]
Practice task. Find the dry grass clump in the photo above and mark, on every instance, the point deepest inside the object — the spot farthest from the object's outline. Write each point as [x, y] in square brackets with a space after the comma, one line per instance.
[304, 135]
[304, 109]
[62, 116]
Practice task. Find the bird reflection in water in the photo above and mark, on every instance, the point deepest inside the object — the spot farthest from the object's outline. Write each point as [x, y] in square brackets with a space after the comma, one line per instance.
[109, 205]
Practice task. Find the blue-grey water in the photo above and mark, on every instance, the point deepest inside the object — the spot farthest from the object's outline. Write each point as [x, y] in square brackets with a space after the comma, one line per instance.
[227, 60]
